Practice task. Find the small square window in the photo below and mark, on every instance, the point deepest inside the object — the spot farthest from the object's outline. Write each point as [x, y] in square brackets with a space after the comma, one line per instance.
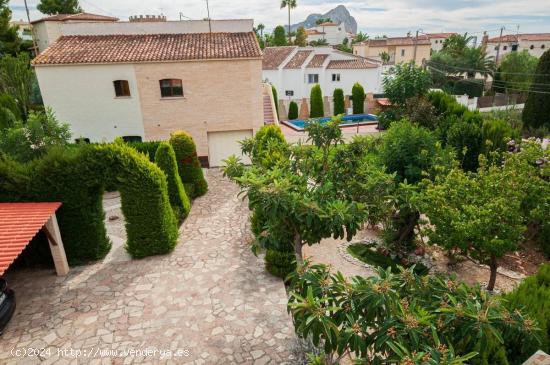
[171, 88]
[504, 48]
[402, 53]
[122, 88]
[335, 77]
[313, 78]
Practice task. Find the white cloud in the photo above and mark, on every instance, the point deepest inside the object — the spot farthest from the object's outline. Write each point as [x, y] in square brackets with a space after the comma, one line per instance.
[398, 17]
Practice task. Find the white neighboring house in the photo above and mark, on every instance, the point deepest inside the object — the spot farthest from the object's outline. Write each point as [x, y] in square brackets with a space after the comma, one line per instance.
[333, 33]
[23, 29]
[437, 39]
[295, 70]
[535, 43]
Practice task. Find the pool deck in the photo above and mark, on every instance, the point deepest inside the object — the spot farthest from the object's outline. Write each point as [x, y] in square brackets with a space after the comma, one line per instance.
[293, 136]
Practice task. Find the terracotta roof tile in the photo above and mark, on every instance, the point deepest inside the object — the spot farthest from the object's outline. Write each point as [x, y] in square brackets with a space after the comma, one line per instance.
[317, 61]
[274, 56]
[356, 64]
[149, 48]
[523, 37]
[397, 41]
[298, 59]
[19, 223]
[439, 35]
[77, 17]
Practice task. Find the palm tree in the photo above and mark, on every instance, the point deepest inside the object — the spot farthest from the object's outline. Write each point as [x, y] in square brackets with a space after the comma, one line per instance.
[360, 37]
[457, 44]
[475, 60]
[385, 57]
[260, 29]
[290, 4]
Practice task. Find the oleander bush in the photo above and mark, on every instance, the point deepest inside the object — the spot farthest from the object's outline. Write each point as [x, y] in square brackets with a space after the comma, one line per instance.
[165, 158]
[293, 111]
[338, 99]
[316, 102]
[189, 166]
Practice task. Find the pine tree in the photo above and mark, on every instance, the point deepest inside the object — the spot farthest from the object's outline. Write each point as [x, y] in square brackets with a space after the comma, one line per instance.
[279, 38]
[52, 7]
[536, 113]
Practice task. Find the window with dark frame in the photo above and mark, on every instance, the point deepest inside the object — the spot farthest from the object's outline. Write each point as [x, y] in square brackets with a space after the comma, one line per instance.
[122, 88]
[313, 78]
[171, 88]
[335, 77]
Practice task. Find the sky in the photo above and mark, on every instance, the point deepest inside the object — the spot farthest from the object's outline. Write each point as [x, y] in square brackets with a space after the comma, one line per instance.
[387, 17]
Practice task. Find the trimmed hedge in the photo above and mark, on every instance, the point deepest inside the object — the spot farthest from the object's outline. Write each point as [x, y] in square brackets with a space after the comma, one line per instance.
[275, 99]
[280, 264]
[293, 111]
[165, 158]
[147, 148]
[358, 96]
[472, 88]
[76, 177]
[338, 99]
[189, 166]
[316, 102]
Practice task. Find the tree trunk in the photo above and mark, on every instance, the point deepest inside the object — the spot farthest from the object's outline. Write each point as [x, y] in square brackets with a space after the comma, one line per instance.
[289, 38]
[298, 249]
[493, 278]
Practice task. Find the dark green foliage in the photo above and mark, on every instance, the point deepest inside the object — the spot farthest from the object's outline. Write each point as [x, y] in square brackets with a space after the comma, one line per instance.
[404, 81]
[147, 148]
[292, 111]
[77, 177]
[495, 134]
[358, 98]
[9, 112]
[10, 42]
[420, 110]
[52, 7]
[368, 254]
[338, 99]
[466, 139]
[536, 113]
[275, 99]
[316, 102]
[279, 37]
[388, 116]
[165, 158]
[472, 88]
[280, 264]
[491, 353]
[532, 296]
[268, 147]
[189, 166]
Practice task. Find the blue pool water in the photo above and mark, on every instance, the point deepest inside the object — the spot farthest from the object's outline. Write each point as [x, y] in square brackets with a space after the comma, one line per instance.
[346, 120]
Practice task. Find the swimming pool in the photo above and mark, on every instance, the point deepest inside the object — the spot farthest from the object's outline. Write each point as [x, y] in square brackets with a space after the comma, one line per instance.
[348, 120]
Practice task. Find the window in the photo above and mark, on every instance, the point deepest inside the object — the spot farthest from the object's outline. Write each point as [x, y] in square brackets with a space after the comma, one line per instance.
[531, 47]
[171, 88]
[122, 88]
[131, 138]
[335, 77]
[313, 78]
[542, 47]
[289, 92]
[504, 48]
[514, 47]
[402, 53]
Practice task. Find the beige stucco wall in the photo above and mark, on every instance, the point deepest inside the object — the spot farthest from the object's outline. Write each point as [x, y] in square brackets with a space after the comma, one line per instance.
[422, 52]
[218, 96]
[46, 33]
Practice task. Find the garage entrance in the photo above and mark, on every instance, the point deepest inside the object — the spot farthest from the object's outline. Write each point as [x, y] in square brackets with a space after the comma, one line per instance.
[221, 145]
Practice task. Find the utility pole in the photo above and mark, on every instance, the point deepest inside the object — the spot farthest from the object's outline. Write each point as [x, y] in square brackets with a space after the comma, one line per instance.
[32, 31]
[498, 47]
[415, 46]
[208, 11]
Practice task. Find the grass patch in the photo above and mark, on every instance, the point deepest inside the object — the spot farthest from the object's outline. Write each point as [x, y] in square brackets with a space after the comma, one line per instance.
[368, 254]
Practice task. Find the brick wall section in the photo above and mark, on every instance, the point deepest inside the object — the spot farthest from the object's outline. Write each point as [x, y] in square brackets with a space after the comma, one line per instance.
[219, 96]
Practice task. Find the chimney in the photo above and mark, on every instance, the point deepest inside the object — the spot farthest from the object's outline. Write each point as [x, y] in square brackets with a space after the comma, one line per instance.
[147, 18]
[484, 40]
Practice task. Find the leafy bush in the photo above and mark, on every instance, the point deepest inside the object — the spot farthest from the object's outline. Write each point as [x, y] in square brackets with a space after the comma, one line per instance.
[275, 99]
[388, 116]
[280, 264]
[405, 81]
[466, 139]
[472, 88]
[189, 166]
[496, 133]
[368, 254]
[536, 112]
[267, 148]
[358, 98]
[419, 110]
[165, 158]
[25, 141]
[338, 99]
[316, 102]
[293, 111]
[532, 296]
[9, 111]
[147, 148]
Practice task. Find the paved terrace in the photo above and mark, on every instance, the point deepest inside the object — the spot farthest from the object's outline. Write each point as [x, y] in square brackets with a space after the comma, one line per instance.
[211, 298]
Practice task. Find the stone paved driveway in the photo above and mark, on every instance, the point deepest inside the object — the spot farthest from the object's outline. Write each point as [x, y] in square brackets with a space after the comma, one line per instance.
[210, 299]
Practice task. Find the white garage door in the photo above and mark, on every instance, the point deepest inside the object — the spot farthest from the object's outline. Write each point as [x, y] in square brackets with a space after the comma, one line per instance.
[224, 144]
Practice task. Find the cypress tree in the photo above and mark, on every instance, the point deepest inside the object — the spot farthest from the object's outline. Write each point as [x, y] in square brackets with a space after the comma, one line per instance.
[338, 99]
[292, 111]
[316, 102]
[536, 113]
[358, 97]
[275, 99]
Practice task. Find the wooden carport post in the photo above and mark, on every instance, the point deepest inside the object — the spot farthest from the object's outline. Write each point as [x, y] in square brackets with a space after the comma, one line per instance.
[51, 228]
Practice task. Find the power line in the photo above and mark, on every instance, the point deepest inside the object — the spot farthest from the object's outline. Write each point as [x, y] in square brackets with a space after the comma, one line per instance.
[484, 71]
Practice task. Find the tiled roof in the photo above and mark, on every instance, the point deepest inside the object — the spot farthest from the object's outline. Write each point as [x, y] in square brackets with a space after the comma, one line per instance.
[298, 59]
[313, 32]
[149, 48]
[523, 37]
[397, 41]
[19, 223]
[439, 35]
[328, 24]
[358, 63]
[317, 61]
[77, 17]
[274, 56]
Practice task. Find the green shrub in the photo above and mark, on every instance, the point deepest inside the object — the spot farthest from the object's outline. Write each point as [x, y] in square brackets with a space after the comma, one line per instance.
[495, 134]
[338, 99]
[280, 264]
[466, 139]
[165, 158]
[468, 87]
[293, 111]
[533, 296]
[9, 111]
[147, 148]
[275, 99]
[316, 102]
[267, 148]
[189, 166]
[358, 98]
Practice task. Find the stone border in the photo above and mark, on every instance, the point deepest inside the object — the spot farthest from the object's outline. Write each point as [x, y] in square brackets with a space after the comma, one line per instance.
[343, 250]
